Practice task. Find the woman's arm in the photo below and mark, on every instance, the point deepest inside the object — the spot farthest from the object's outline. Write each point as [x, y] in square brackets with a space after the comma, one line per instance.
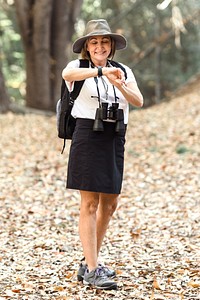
[116, 77]
[77, 74]
[132, 93]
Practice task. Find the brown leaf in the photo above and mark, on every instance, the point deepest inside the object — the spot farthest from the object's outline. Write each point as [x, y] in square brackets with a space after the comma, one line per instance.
[194, 284]
[156, 284]
[59, 288]
[135, 233]
[16, 290]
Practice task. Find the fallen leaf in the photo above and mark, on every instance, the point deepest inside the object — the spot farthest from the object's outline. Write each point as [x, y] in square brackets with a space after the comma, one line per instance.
[194, 284]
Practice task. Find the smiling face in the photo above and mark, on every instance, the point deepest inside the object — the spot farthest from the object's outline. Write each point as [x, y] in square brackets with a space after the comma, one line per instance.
[99, 48]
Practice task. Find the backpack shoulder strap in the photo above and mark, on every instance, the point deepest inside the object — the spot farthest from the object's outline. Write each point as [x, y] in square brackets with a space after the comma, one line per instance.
[118, 65]
[84, 63]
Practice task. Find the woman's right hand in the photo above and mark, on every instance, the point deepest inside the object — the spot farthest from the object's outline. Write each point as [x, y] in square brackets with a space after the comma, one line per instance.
[114, 75]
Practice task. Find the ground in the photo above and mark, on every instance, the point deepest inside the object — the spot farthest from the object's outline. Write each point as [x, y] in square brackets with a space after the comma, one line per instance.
[153, 242]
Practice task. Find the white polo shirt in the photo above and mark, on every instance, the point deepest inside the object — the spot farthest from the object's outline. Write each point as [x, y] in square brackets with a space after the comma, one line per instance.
[87, 101]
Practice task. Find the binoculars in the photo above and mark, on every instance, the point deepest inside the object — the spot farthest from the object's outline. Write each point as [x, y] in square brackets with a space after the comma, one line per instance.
[106, 112]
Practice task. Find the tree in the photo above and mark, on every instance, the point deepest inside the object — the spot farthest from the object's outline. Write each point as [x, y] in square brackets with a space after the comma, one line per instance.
[4, 98]
[46, 28]
[159, 65]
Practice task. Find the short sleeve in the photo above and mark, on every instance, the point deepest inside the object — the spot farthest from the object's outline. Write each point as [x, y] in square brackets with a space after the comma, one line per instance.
[129, 72]
[72, 65]
[130, 75]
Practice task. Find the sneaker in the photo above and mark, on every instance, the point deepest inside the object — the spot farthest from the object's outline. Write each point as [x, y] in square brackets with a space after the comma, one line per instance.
[109, 272]
[98, 279]
[83, 267]
[81, 271]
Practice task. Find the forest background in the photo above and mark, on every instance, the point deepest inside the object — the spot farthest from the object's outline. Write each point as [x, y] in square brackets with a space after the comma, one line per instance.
[153, 242]
[36, 38]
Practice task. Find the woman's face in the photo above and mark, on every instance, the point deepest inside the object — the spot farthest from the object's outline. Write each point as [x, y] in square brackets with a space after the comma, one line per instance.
[99, 48]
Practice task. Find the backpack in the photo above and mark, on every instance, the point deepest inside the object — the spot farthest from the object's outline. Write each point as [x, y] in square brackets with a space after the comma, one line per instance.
[65, 121]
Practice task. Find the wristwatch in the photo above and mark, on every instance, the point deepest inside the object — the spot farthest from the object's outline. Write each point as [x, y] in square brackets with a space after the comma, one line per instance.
[100, 73]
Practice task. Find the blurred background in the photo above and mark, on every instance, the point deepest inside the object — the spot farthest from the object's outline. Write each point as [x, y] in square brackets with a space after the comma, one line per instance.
[36, 38]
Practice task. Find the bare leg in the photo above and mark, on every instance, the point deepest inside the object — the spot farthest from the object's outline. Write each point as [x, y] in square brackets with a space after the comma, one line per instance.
[107, 207]
[87, 227]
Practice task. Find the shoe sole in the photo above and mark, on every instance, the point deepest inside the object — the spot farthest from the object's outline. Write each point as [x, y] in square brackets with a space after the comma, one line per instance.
[80, 277]
[113, 286]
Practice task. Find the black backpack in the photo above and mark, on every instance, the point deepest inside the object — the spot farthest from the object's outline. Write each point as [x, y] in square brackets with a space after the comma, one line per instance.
[65, 121]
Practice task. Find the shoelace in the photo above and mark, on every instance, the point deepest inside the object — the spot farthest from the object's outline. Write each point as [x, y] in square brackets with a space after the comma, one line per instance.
[100, 271]
[104, 267]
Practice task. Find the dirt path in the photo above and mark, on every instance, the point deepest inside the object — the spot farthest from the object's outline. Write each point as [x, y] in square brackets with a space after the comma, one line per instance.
[154, 238]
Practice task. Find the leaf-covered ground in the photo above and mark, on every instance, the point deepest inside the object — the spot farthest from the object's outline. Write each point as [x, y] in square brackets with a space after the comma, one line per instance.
[153, 242]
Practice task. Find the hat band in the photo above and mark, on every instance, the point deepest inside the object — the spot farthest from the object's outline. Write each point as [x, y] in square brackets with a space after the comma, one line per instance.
[100, 32]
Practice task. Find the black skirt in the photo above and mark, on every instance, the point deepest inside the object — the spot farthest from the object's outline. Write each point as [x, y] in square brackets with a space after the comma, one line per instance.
[96, 159]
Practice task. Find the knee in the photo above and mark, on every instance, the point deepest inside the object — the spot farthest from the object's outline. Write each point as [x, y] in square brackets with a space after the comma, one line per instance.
[89, 206]
[109, 205]
[89, 202]
[111, 208]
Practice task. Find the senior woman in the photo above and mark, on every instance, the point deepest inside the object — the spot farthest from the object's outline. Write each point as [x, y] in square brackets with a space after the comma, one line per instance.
[96, 158]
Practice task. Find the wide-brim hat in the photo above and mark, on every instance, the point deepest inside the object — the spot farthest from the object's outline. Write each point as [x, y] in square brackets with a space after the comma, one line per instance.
[96, 28]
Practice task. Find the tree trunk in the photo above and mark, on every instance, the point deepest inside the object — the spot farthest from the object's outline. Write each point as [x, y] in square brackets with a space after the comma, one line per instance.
[46, 28]
[157, 60]
[4, 98]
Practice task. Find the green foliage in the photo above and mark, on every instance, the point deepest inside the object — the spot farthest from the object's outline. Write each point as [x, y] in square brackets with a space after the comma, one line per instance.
[181, 149]
[142, 23]
[11, 54]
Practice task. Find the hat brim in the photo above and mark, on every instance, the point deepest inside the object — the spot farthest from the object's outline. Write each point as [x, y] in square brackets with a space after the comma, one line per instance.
[120, 41]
